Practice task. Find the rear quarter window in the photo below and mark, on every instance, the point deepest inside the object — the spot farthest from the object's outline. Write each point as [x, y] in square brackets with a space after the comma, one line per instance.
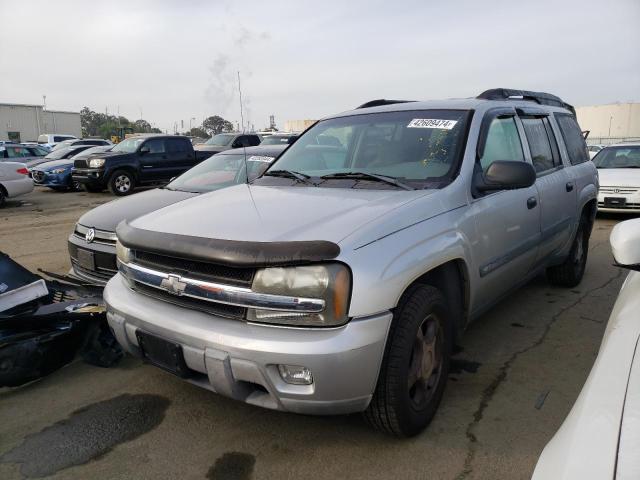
[573, 139]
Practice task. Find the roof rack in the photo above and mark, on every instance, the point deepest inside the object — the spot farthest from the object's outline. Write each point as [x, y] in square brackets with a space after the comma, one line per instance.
[382, 101]
[538, 97]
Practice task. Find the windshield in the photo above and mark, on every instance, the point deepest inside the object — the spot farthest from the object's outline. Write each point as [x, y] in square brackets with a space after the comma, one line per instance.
[276, 140]
[618, 157]
[220, 140]
[220, 171]
[58, 154]
[421, 148]
[129, 145]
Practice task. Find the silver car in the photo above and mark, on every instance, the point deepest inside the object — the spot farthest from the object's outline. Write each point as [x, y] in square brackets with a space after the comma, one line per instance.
[339, 280]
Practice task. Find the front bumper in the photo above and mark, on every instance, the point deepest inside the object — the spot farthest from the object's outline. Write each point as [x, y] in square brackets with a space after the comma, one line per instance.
[89, 176]
[631, 200]
[240, 360]
[47, 179]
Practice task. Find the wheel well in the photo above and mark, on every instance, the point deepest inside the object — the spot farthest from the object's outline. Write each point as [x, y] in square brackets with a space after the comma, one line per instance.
[127, 169]
[452, 279]
[4, 190]
[589, 213]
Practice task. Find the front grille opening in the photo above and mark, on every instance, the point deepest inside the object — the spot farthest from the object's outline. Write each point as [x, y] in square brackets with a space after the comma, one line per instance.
[220, 309]
[200, 270]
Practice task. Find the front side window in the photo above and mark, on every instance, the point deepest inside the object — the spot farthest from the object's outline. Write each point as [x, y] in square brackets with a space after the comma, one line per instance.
[419, 147]
[155, 145]
[539, 146]
[618, 157]
[17, 152]
[573, 139]
[502, 143]
[38, 151]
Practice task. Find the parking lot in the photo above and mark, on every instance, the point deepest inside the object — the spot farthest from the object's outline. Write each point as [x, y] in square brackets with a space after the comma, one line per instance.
[517, 373]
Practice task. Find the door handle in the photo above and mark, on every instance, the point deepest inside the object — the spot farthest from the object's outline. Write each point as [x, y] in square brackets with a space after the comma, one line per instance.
[569, 186]
[532, 202]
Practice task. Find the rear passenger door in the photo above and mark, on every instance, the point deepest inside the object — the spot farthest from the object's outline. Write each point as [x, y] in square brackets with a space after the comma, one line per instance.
[507, 221]
[180, 155]
[154, 165]
[556, 190]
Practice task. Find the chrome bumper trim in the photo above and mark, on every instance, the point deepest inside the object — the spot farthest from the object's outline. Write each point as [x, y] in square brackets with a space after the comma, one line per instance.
[216, 292]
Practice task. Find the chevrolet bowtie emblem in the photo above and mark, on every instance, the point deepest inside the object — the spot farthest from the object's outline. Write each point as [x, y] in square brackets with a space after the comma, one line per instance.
[173, 285]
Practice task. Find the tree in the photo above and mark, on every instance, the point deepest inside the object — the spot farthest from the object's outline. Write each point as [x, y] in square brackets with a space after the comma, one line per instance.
[216, 124]
[198, 132]
[141, 126]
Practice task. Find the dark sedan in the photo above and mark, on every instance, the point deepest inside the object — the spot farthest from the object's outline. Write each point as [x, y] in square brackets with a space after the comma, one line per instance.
[92, 244]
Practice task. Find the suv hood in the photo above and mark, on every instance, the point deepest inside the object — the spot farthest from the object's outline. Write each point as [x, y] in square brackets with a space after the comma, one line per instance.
[106, 217]
[274, 214]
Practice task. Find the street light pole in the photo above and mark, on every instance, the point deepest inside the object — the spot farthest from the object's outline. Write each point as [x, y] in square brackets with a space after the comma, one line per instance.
[190, 121]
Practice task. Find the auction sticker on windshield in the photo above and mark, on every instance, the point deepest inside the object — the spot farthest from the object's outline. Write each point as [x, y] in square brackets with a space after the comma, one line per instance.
[432, 123]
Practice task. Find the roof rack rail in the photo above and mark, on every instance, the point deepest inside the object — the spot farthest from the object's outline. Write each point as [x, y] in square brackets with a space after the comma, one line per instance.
[538, 97]
[382, 101]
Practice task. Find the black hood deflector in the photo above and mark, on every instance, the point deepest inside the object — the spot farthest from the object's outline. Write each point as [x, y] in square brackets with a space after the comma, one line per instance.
[236, 253]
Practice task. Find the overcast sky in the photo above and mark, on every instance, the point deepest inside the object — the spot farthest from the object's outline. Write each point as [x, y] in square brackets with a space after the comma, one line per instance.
[177, 60]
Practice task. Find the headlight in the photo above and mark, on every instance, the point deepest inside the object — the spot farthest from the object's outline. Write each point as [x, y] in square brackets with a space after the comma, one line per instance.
[58, 170]
[123, 253]
[330, 282]
[96, 162]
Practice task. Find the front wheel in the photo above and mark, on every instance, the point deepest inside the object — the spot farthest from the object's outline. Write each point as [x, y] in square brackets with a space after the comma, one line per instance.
[415, 366]
[121, 183]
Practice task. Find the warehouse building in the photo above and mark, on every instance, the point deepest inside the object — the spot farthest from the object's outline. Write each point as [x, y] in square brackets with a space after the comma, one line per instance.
[24, 123]
[615, 122]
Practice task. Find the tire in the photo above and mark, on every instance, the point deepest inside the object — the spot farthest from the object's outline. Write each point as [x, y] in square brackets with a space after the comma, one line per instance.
[92, 188]
[122, 183]
[569, 274]
[3, 196]
[74, 186]
[410, 386]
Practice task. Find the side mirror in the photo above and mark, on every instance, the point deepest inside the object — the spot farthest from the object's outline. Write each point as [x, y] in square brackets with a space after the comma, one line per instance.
[506, 175]
[625, 244]
[144, 150]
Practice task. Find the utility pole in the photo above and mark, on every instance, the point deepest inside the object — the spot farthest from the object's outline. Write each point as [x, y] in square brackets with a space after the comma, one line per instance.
[44, 102]
[610, 118]
[240, 92]
[190, 122]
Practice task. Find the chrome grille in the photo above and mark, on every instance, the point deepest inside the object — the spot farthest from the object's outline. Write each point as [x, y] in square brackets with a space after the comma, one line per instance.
[619, 190]
[101, 236]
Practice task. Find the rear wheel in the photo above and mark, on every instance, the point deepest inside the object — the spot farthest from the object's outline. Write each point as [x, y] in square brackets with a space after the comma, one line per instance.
[121, 183]
[3, 196]
[415, 366]
[570, 273]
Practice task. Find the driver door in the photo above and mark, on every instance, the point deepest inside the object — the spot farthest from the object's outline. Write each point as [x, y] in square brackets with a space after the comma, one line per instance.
[154, 164]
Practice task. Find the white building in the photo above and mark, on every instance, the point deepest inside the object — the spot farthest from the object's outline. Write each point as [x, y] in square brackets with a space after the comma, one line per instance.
[610, 123]
[23, 123]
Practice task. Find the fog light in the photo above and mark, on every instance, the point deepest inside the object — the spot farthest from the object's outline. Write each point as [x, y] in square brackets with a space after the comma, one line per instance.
[296, 375]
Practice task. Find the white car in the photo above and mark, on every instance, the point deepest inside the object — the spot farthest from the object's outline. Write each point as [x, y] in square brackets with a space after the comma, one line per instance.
[50, 140]
[600, 438]
[594, 149]
[14, 180]
[619, 171]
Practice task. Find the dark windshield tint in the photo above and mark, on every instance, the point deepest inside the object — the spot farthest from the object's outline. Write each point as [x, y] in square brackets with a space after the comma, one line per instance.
[618, 157]
[220, 171]
[220, 140]
[277, 140]
[419, 147]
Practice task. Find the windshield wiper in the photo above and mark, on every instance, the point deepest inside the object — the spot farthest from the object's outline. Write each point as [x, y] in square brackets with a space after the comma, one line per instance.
[301, 177]
[369, 176]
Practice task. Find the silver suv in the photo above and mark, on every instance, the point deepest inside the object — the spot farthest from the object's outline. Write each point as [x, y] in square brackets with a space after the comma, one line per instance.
[339, 281]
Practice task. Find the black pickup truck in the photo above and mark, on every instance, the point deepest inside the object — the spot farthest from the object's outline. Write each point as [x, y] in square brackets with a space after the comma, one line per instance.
[139, 160]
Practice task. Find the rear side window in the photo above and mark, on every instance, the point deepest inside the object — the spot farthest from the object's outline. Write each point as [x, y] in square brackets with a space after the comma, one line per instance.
[17, 152]
[177, 145]
[573, 139]
[502, 143]
[61, 138]
[254, 140]
[538, 137]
